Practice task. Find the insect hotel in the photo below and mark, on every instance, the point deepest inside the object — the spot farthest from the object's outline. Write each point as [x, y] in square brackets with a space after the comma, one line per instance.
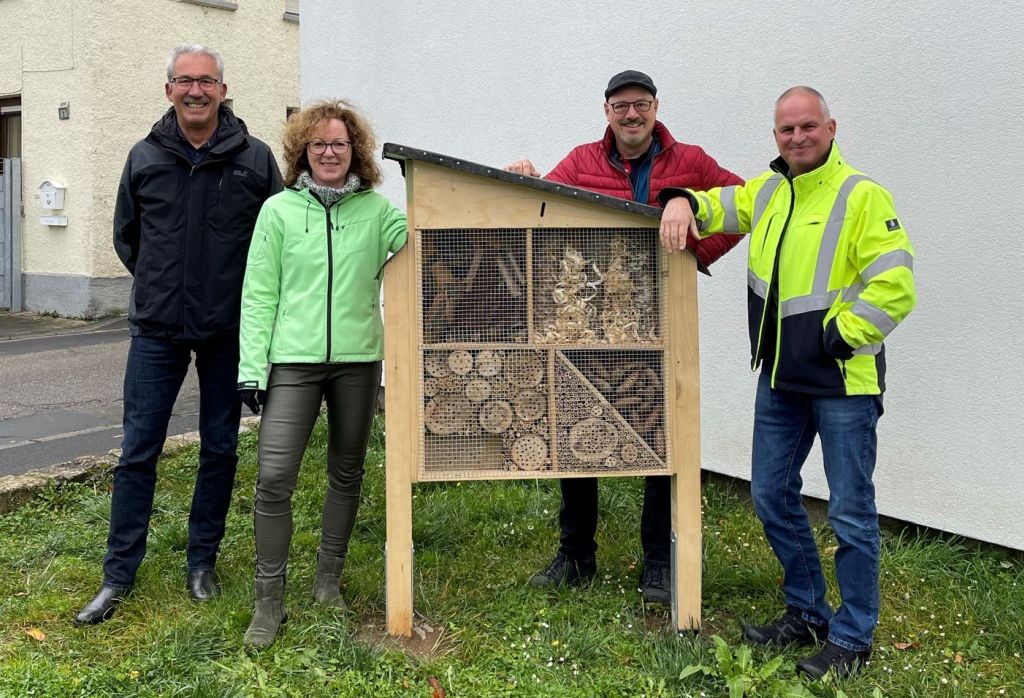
[536, 330]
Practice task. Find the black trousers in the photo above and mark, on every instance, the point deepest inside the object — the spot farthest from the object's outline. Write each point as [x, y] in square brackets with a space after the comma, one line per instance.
[578, 518]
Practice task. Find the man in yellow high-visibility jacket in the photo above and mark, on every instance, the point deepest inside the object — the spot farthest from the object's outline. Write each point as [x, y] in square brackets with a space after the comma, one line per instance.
[830, 275]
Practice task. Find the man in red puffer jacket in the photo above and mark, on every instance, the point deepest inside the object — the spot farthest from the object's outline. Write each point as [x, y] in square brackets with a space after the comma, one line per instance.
[635, 160]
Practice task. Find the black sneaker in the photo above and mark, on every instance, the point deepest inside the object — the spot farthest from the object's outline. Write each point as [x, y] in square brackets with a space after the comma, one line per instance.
[840, 661]
[790, 628]
[655, 583]
[564, 570]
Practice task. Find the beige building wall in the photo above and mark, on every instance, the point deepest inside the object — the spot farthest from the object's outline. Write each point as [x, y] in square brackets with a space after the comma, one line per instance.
[108, 60]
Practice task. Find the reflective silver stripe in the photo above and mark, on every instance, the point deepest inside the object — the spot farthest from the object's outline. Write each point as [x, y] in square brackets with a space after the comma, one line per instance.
[887, 261]
[808, 304]
[703, 224]
[830, 238]
[876, 316]
[852, 293]
[731, 224]
[757, 285]
[870, 349]
[763, 197]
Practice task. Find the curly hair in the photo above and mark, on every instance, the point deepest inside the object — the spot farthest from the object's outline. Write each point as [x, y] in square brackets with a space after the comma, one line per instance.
[299, 131]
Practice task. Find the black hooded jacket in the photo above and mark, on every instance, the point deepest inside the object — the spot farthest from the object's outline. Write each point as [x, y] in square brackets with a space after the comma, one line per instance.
[183, 231]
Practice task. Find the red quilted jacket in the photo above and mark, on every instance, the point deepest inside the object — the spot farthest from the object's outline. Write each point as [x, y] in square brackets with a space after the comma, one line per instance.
[590, 166]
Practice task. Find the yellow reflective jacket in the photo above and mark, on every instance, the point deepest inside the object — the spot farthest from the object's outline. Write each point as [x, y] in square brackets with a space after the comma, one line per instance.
[829, 252]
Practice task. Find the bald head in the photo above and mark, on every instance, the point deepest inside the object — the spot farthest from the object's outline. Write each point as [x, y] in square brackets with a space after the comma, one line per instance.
[803, 89]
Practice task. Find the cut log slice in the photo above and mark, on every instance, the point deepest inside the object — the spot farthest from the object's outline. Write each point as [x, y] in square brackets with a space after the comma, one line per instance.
[436, 365]
[431, 387]
[630, 453]
[592, 440]
[524, 369]
[488, 363]
[496, 416]
[448, 414]
[529, 452]
[531, 405]
[478, 390]
[460, 362]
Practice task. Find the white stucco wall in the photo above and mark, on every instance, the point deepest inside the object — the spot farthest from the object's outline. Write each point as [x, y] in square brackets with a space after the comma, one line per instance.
[924, 94]
[109, 60]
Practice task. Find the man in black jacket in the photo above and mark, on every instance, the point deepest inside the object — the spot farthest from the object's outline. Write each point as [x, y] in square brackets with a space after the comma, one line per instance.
[186, 206]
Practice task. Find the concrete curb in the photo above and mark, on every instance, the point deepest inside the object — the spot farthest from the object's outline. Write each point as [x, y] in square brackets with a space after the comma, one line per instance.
[18, 490]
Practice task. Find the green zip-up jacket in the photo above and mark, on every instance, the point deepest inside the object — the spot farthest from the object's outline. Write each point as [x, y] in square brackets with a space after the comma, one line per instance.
[830, 273]
[312, 289]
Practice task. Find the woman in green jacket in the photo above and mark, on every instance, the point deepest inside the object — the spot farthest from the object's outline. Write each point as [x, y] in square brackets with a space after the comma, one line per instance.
[311, 312]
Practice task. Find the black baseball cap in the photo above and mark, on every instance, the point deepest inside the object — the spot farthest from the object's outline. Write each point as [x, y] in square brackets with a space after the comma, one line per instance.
[630, 77]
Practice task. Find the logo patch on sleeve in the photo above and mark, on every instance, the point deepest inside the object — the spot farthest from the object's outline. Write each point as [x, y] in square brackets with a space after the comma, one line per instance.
[892, 224]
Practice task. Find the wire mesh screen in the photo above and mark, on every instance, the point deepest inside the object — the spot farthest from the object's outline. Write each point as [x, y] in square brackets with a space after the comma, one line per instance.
[595, 287]
[542, 353]
[474, 286]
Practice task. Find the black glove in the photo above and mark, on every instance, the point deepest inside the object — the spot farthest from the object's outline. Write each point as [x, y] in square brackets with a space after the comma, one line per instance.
[253, 399]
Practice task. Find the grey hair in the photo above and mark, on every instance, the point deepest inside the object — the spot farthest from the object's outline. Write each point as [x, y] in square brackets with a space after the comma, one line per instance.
[188, 49]
[807, 90]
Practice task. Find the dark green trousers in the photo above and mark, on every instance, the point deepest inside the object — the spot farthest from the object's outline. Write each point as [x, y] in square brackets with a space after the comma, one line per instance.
[295, 393]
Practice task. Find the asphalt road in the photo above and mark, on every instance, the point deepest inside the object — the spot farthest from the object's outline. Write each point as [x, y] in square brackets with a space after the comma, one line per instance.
[60, 397]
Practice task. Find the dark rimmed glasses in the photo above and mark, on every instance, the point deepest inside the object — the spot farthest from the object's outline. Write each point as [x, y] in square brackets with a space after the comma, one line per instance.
[185, 83]
[337, 147]
[641, 106]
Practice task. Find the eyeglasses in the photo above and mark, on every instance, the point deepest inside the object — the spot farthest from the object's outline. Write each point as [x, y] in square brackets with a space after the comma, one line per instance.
[337, 147]
[641, 106]
[205, 84]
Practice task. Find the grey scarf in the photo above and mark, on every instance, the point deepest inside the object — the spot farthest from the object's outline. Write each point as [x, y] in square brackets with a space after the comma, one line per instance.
[329, 195]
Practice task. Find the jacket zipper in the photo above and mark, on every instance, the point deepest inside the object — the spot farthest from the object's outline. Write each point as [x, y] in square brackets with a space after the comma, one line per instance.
[774, 282]
[330, 280]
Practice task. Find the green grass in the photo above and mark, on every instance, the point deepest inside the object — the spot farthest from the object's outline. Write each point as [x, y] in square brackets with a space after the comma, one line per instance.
[952, 620]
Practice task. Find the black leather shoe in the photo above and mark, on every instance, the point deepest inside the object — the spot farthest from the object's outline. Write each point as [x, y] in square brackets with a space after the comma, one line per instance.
[655, 582]
[564, 570]
[102, 607]
[203, 585]
[840, 661]
[790, 628]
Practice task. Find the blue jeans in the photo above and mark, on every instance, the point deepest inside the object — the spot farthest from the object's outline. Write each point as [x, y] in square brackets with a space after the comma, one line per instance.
[785, 424]
[153, 376]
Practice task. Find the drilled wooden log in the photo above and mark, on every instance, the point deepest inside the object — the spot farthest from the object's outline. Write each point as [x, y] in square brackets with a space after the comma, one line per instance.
[531, 405]
[592, 440]
[496, 416]
[478, 390]
[529, 452]
[460, 362]
[436, 365]
[488, 363]
[448, 414]
[629, 453]
[524, 369]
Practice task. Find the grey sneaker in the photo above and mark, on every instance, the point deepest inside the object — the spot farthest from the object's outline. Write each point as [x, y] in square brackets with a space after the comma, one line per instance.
[564, 570]
[655, 583]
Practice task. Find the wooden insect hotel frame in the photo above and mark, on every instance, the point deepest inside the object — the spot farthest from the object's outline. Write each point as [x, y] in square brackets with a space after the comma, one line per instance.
[536, 330]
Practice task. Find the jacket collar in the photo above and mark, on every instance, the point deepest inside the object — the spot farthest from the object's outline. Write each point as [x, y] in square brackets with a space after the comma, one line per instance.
[230, 135]
[827, 170]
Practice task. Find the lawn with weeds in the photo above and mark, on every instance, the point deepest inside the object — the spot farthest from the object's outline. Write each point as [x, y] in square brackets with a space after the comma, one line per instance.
[952, 619]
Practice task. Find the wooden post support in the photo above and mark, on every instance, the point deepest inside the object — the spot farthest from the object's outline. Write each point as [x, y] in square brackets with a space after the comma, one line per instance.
[683, 383]
[401, 370]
